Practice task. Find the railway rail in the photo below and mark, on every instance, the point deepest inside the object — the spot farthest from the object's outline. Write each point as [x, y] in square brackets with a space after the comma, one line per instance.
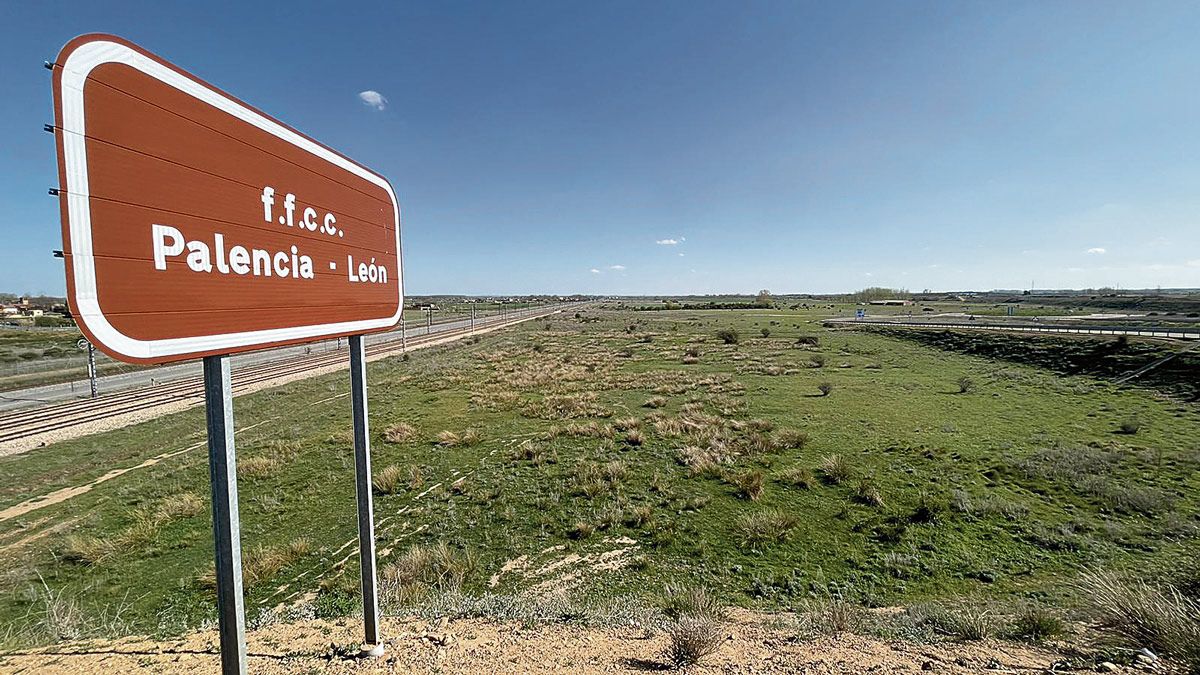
[28, 422]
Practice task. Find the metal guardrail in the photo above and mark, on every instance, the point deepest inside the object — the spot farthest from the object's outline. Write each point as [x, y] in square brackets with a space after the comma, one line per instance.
[1179, 334]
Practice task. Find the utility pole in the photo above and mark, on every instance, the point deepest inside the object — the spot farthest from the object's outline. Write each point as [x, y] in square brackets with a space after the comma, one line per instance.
[91, 349]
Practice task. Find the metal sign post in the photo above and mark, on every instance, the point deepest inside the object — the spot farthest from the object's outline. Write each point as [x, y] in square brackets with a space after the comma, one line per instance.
[366, 512]
[222, 472]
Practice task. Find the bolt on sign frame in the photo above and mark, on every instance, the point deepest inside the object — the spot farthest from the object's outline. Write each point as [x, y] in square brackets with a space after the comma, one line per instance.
[196, 226]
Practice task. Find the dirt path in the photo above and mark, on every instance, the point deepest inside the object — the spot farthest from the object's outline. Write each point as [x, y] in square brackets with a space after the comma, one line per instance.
[480, 646]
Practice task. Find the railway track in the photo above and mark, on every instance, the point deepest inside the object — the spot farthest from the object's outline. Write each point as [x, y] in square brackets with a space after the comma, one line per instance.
[28, 422]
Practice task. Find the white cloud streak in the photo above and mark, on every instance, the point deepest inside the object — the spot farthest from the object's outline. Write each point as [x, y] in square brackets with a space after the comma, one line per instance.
[618, 268]
[1096, 250]
[595, 271]
[373, 99]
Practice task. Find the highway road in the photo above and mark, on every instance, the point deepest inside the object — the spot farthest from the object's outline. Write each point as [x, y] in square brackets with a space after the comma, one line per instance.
[1172, 333]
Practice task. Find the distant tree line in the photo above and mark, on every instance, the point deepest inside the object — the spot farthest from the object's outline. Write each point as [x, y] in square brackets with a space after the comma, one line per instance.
[880, 293]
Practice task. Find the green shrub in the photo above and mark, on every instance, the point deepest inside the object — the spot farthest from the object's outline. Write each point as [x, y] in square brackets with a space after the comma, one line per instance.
[1036, 624]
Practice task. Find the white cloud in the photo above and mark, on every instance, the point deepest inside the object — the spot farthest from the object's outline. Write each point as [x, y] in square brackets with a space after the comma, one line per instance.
[595, 271]
[373, 99]
[1193, 263]
[1096, 250]
[680, 255]
[619, 268]
[668, 242]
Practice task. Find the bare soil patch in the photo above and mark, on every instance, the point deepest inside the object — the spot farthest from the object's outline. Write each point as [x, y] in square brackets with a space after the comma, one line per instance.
[469, 646]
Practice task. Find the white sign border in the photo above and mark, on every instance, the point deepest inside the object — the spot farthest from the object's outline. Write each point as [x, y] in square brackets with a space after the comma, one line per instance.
[79, 64]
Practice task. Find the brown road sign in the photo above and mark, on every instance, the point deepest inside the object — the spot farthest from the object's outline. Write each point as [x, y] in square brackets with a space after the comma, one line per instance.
[194, 224]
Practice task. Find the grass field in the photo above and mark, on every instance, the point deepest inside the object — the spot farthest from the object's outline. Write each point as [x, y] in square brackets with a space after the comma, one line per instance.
[611, 453]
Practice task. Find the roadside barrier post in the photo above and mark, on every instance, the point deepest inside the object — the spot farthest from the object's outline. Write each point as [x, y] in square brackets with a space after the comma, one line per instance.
[222, 472]
[366, 512]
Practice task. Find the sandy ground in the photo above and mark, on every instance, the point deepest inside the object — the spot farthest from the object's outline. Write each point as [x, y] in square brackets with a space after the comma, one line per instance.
[479, 646]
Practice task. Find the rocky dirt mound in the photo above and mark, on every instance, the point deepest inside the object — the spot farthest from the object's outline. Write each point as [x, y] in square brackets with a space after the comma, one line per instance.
[753, 645]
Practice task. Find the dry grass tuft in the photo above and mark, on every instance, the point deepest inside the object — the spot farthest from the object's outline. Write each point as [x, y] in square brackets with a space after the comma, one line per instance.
[692, 639]
[791, 439]
[700, 461]
[1139, 614]
[757, 443]
[655, 402]
[262, 563]
[422, 567]
[696, 627]
[668, 427]
[88, 549]
[768, 526]
[182, 505]
[867, 492]
[627, 424]
[836, 470]
[257, 467]
[399, 432]
[760, 425]
[566, 406]
[798, 476]
[638, 516]
[615, 471]
[388, 480]
[836, 616]
[581, 530]
[451, 439]
[750, 485]
[529, 451]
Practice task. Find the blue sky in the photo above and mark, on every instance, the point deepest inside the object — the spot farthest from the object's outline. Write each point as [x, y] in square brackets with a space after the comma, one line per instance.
[799, 147]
